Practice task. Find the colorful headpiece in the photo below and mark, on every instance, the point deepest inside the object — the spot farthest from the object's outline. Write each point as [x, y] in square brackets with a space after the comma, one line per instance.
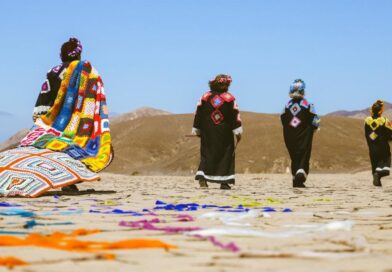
[78, 50]
[297, 89]
[223, 79]
[71, 49]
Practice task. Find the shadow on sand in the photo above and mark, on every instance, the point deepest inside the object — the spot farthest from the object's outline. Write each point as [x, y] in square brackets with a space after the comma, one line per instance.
[77, 193]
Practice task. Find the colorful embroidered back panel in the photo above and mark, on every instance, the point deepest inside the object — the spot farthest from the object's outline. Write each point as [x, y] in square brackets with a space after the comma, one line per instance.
[77, 124]
[29, 172]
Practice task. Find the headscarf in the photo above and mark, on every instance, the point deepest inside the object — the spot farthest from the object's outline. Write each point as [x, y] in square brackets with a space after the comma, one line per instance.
[297, 89]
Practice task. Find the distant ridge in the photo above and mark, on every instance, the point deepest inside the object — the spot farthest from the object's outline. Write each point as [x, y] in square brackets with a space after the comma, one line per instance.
[139, 113]
[4, 113]
[361, 114]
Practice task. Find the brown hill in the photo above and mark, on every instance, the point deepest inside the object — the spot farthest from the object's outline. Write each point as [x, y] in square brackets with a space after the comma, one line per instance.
[157, 144]
[154, 145]
[138, 113]
[362, 114]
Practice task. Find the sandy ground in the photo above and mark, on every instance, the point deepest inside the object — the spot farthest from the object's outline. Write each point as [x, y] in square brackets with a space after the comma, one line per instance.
[338, 223]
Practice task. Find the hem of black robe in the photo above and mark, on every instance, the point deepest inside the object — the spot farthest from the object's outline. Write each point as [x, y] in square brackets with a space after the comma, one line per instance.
[227, 181]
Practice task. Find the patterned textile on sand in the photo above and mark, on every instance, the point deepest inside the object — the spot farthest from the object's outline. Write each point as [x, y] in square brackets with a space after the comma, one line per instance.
[69, 144]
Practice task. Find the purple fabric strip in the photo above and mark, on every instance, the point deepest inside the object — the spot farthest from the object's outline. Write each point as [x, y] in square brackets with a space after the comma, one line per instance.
[149, 225]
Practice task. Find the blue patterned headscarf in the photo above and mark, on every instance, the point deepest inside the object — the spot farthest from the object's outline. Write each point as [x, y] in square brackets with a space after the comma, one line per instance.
[297, 89]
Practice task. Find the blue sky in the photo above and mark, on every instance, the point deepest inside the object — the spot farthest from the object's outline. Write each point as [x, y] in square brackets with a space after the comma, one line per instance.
[162, 53]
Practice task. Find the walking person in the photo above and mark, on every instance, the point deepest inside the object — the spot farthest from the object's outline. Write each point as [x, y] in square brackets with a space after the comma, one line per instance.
[217, 121]
[299, 121]
[378, 133]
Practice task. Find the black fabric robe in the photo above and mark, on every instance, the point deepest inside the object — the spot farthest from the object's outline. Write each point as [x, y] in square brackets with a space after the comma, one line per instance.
[299, 121]
[49, 89]
[378, 133]
[217, 118]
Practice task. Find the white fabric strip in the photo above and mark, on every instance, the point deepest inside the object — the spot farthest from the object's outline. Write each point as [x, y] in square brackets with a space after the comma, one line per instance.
[216, 178]
[195, 131]
[379, 169]
[238, 131]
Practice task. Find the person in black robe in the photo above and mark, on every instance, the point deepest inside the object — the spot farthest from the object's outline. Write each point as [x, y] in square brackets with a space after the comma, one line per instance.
[378, 133]
[299, 121]
[70, 51]
[217, 120]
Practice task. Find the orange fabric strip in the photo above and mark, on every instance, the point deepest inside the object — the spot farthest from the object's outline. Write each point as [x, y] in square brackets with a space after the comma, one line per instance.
[63, 241]
[11, 261]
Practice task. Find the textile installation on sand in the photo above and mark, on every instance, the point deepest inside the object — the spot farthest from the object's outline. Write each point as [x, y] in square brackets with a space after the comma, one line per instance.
[70, 144]
[26, 224]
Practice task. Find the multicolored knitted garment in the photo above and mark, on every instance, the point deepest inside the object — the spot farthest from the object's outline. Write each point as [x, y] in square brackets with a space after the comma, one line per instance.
[76, 125]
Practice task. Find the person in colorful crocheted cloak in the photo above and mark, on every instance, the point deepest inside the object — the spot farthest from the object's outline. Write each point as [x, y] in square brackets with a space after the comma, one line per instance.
[299, 120]
[216, 120]
[378, 133]
[70, 141]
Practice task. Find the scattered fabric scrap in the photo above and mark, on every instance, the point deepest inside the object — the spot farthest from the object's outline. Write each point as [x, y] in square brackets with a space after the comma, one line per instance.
[11, 262]
[63, 241]
[16, 212]
[6, 204]
[32, 223]
[149, 225]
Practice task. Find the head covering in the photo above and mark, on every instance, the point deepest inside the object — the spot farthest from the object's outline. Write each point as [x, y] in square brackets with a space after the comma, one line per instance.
[220, 83]
[297, 89]
[222, 79]
[71, 50]
[377, 108]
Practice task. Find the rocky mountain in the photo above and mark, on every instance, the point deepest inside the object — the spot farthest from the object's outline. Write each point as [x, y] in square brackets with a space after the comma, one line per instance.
[138, 113]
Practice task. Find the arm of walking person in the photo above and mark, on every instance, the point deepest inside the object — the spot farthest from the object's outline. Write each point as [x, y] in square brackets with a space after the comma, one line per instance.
[314, 117]
[197, 120]
[237, 122]
[388, 126]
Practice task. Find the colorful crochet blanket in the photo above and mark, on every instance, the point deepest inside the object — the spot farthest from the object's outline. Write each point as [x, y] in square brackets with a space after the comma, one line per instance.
[77, 124]
[70, 144]
[29, 172]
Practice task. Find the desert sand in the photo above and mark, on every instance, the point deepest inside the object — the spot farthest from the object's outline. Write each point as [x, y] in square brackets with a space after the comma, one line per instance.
[339, 223]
